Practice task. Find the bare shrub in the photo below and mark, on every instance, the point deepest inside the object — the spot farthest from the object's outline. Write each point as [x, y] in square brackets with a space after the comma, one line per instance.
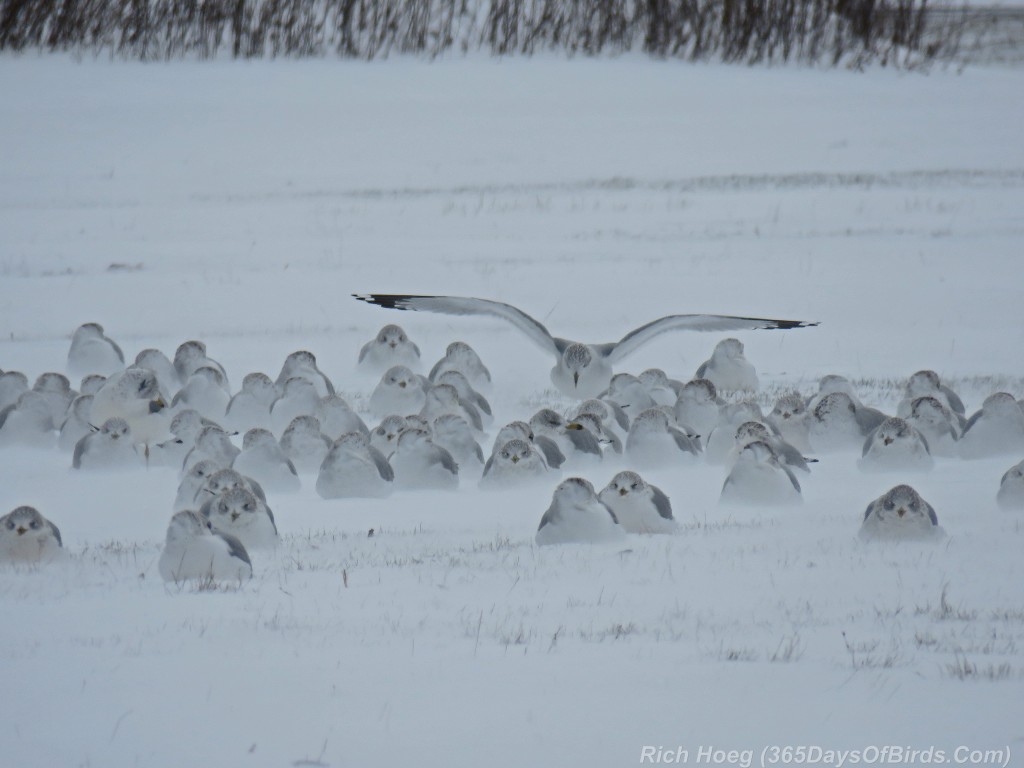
[834, 32]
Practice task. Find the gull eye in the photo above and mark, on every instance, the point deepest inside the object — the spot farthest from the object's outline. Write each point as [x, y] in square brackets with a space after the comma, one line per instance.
[10, 525]
[223, 508]
[142, 386]
[635, 485]
[34, 525]
[889, 505]
[504, 454]
[247, 507]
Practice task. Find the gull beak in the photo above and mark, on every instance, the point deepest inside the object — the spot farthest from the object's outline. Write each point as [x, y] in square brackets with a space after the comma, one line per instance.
[155, 406]
[623, 491]
[401, 384]
[515, 459]
[574, 425]
[575, 378]
[234, 516]
[901, 511]
[22, 530]
[887, 440]
[392, 344]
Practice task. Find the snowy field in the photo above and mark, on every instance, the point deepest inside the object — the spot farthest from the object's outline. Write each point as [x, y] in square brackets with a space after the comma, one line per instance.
[242, 204]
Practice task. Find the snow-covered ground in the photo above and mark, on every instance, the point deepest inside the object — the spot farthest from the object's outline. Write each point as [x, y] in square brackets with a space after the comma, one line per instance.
[242, 203]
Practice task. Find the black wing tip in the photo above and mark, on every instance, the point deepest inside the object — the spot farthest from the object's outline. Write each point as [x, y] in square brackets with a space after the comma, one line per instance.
[386, 300]
[785, 325]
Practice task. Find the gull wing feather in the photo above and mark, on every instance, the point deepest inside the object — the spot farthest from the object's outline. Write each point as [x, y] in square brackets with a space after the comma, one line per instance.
[445, 459]
[684, 441]
[789, 454]
[235, 547]
[365, 351]
[618, 413]
[80, 448]
[434, 371]
[792, 477]
[970, 422]
[584, 441]
[640, 336]
[955, 403]
[869, 418]
[475, 420]
[661, 503]
[270, 514]
[257, 488]
[488, 465]
[552, 453]
[550, 516]
[56, 532]
[4, 413]
[116, 348]
[609, 511]
[464, 305]
[383, 465]
[868, 442]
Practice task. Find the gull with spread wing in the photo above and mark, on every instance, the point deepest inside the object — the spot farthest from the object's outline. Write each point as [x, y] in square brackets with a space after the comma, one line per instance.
[581, 370]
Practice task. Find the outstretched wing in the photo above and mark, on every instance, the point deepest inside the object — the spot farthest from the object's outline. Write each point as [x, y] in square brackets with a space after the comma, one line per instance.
[637, 338]
[464, 305]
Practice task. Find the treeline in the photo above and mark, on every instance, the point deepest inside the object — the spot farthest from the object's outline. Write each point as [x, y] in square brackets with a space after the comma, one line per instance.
[834, 32]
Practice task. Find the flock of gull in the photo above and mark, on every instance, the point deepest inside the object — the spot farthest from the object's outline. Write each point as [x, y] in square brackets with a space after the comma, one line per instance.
[181, 412]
